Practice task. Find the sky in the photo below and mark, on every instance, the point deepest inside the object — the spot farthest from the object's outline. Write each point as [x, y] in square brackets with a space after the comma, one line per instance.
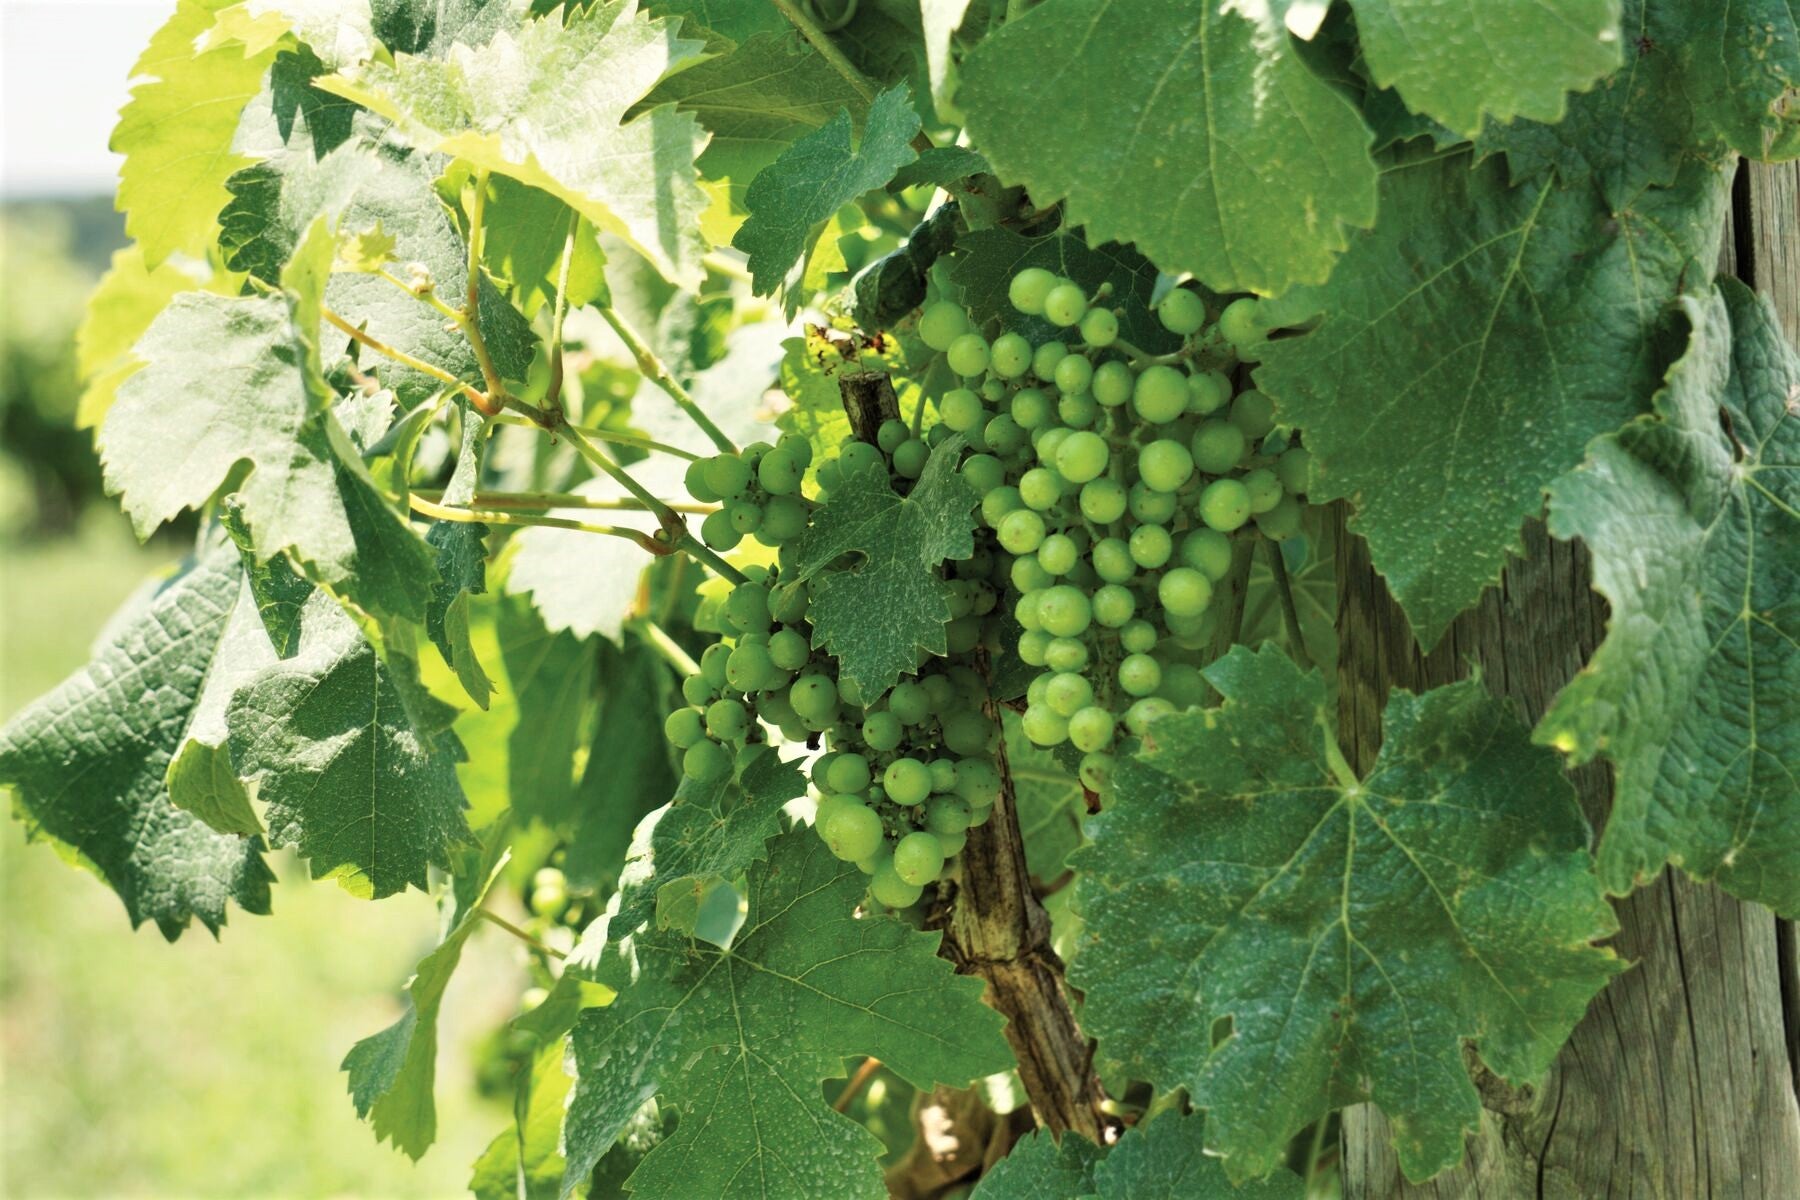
[65, 67]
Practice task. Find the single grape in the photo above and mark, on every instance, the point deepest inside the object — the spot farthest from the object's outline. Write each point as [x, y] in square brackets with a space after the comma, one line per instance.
[1264, 488]
[1225, 504]
[784, 519]
[1112, 560]
[727, 720]
[796, 446]
[1218, 446]
[1294, 469]
[1208, 392]
[961, 409]
[910, 459]
[1113, 383]
[705, 762]
[1031, 408]
[1065, 304]
[684, 727]
[968, 355]
[1138, 637]
[992, 390]
[712, 663]
[1139, 716]
[1064, 611]
[1025, 612]
[849, 773]
[978, 782]
[1029, 288]
[745, 517]
[1182, 312]
[1161, 394]
[1040, 489]
[779, 474]
[1045, 358]
[718, 532]
[695, 481]
[1047, 443]
[889, 890]
[746, 609]
[1103, 500]
[1139, 675]
[1066, 654]
[1151, 546]
[1010, 356]
[1081, 456]
[828, 804]
[852, 831]
[968, 732]
[1165, 464]
[1021, 532]
[1091, 729]
[749, 668]
[941, 324]
[1077, 410]
[815, 698]
[1281, 522]
[882, 731]
[1113, 605]
[727, 475]
[1002, 434]
[1183, 685]
[854, 458]
[908, 781]
[997, 504]
[1074, 374]
[909, 702]
[1033, 645]
[1207, 551]
[1254, 413]
[697, 691]
[946, 813]
[918, 858]
[1100, 327]
[1068, 692]
[1184, 592]
[892, 432]
[1149, 505]
[1058, 554]
[1240, 324]
[1096, 772]
[1043, 726]
[830, 476]
[1028, 575]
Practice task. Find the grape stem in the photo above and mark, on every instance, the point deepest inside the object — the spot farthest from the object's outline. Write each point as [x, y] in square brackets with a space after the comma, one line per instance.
[1290, 616]
[668, 647]
[653, 369]
[507, 925]
[521, 413]
[1143, 358]
[856, 1084]
[548, 500]
[486, 404]
[472, 516]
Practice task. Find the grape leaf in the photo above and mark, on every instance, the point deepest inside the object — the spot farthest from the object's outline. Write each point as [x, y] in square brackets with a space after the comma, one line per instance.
[280, 593]
[432, 29]
[817, 175]
[733, 20]
[525, 1162]
[739, 1040]
[461, 563]
[1503, 59]
[552, 677]
[229, 380]
[543, 103]
[987, 260]
[1040, 1167]
[877, 615]
[524, 233]
[940, 166]
[1050, 803]
[1216, 150]
[176, 133]
[356, 765]
[1741, 68]
[87, 762]
[1692, 513]
[1468, 350]
[1349, 935]
[392, 1072]
[1161, 1159]
[628, 770]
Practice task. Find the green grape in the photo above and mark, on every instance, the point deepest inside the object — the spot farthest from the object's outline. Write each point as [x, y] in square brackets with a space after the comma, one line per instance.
[1294, 469]
[937, 435]
[1138, 637]
[695, 481]
[713, 661]
[830, 475]
[788, 650]
[727, 720]
[1077, 411]
[908, 781]
[1028, 289]
[705, 762]
[854, 458]
[828, 804]
[1151, 546]
[1074, 374]
[941, 324]
[1096, 772]
[1112, 560]
[784, 519]
[1184, 592]
[745, 517]
[697, 691]
[1149, 505]
[1043, 726]
[943, 775]
[1139, 716]
[1254, 413]
[1264, 488]
[1025, 612]
[1161, 394]
[1113, 605]
[749, 669]
[997, 504]
[1207, 551]
[779, 474]
[1028, 575]
[1240, 324]
[1208, 392]
[1225, 504]
[1139, 675]
[1040, 489]
[746, 609]
[1066, 654]
[1100, 327]
[1091, 729]
[727, 475]
[1021, 532]
[882, 731]
[962, 635]
[718, 532]
[1030, 408]
[1065, 304]
[1191, 631]
[978, 782]
[910, 459]
[789, 601]
[548, 899]
[948, 814]
[1281, 522]
[774, 708]
[684, 727]
[940, 691]
[1183, 685]
[1068, 692]
[1045, 358]
[820, 766]
[815, 698]
[968, 732]
[1010, 356]
[910, 702]
[968, 355]
[852, 831]
[1064, 611]
[1218, 446]
[796, 446]
[1047, 443]
[1057, 554]
[1081, 456]
[1113, 384]
[891, 434]
[1182, 312]
[1033, 645]
[891, 891]
[961, 409]
[1165, 464]
[1002, 434]
[918, 858]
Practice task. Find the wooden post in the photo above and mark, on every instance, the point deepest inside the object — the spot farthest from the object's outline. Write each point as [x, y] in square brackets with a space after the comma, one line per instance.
[1681, 1081]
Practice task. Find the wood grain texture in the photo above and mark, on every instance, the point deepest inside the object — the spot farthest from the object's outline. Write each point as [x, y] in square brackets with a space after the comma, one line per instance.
[1681, 1081]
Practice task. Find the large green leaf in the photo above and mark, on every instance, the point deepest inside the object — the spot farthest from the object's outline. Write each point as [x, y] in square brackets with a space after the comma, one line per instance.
[356, 765]
[87, 763]
[629, 772]
[877, 614]
[1281, 938]
[543, 102]
[1161, 1159]
[1188, 127]
[1467, 351]
[1692, 513]
[738, 1040]
[552, 677]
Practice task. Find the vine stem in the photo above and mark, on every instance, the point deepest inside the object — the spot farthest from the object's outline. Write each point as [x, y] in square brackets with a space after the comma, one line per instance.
[653, 369]
[1142, 357]
[521, 413]
[1290, 616]
[553, 393]
[534, 943]
[486, 404]
[821, 41]
[548, 500]
[470, 516]
[668, 647]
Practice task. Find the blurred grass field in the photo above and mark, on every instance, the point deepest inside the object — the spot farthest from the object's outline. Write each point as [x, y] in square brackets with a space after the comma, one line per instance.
[130, 1067]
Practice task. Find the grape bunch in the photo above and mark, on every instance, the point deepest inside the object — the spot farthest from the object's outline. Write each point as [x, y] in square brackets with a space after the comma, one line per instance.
[758, 493]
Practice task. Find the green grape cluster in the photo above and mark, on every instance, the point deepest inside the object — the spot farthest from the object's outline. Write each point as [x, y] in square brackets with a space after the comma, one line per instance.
[1116, 482]
[757, 490]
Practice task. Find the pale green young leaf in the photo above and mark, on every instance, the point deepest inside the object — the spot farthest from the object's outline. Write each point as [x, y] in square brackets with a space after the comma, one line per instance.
[1190, 128]
[552, 682]
[525, 231]
[629, 772]
[87, 763]
[1344, 936]
[815, 177]
[739, 1040]
[1469, 348]
[1692, 514]
[524, 1161]
[876, 615]
[543, 102]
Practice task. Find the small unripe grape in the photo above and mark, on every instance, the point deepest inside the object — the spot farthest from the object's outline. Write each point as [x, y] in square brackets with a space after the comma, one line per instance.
[1082, 456]
[1182, 312]
[1165, 464]
[697, 691]
[968, 732]
[1057, 554]
[1028, 575]
[1294, 469]
[1065, 305]
[1183, 685]
[712, 663]
[1225, 504]
[854, 458]
[1151, 506]
[745, 517]
[1254, 413]
[727, 720]
[1010, 356]
[1207, 551]
[941, 324]
[779, 474]
[1002, 434]
[1100, 327]
[968, 354]
[1025, 612]
[1064, 611]
[1113, 383]
[908, 781]
[910, 458]
[1096, 772]
[784, 519]
[1281, 522]
[948, 814]
[1240, 324]
[814, 697]
[1091, 729]
[882, 731]
[918, 858]
[727, 475]
[1151, 546]
[1139, 715]
[1033, 644]
[684, 727]
[1030, 408]
[1184, 592]
[1044, 727]
[1112, 560]
[1028, 289]
[1074, 374]
[1077, 410]
[849, 773]
[749, 668]
[747, 608]
[910, 702]
[1138, 637]
[1066, 654]
[1040, 489]
[1048, 442]
[852, 831]
[1113, 605]
[961, 409]
[1103, 500]
[1021, 532]
[1264, 488]
[984, 472]
[1139, 675]
[718, 532]
[978, 781]
[1161, 394]
[1208, 392]
[705, 762]
[1067, 693]
[891, 891]
[891, 434]
[830, 475]
[1218, 446]
[1045, 358]
[695, 481]
[997, 504]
